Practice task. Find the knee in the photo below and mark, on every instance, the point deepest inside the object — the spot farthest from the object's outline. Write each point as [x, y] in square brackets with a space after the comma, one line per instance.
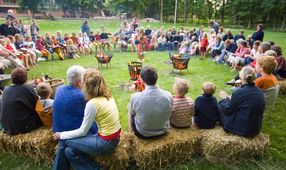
[69, 152]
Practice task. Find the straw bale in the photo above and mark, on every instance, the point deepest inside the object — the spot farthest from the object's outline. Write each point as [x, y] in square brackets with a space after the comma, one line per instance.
[282, 89]
[176, 147]
[121, 157]
[221, 147]
[38, 145]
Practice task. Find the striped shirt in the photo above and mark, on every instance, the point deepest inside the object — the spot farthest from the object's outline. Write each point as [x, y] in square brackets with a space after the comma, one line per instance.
[182, 112]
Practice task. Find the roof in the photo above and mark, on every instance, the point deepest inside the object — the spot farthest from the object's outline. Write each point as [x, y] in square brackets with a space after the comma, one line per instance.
[9, 6]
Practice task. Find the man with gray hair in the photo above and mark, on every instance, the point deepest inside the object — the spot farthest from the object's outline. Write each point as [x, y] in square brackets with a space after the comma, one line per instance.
[69, 104]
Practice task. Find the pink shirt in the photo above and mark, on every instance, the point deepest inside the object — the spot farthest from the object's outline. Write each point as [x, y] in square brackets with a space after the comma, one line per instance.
[240, 52]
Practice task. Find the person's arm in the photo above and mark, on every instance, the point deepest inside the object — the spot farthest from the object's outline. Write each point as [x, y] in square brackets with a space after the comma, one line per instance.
[131, 113]
[221, 46]
[229, 106]
[88, 119]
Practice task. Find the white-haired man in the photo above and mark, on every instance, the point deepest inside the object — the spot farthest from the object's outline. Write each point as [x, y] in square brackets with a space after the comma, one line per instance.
[68, 109]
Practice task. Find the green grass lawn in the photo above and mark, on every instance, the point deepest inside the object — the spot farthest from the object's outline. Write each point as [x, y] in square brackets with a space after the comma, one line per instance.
[199, 72]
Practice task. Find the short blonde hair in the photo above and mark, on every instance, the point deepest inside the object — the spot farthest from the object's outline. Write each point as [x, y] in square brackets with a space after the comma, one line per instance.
[94, 85]
[181, 86]
[208, 88]
[267, 63]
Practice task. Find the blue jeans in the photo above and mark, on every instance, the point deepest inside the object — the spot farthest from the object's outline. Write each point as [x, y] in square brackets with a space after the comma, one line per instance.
[161, 47]
[77, 151]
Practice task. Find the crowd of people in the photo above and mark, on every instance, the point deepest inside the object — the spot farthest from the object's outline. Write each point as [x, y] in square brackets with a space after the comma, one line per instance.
[84, 115]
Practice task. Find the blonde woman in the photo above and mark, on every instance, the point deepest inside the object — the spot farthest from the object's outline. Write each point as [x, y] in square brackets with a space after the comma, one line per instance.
[100, 108]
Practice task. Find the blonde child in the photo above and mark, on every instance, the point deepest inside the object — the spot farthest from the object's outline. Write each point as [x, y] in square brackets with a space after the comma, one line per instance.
[44, 106]
[183, 107]
[140, 51]
[204, 42]
[206, 107]
[71, 49]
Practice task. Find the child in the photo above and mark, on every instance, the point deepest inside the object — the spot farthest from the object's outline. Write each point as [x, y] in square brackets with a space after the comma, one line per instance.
[138, 85]
[206, 108]
[44, 106]
[41, 47]
[203, 45]
[140, 50]
[183, 107]
[265, 65]
[71, 49]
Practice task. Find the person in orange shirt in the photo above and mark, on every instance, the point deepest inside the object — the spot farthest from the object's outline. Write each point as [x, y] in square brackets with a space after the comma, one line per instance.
[267, 82]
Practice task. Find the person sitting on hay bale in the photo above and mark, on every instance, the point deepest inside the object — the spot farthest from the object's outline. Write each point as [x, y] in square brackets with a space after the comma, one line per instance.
[68, 109]
[206, 108]
[44, 106]
[280, 71]
[101, 107]
[149, 111]
[183, 107]
[242, 113]
[265, 65]
[18, 113]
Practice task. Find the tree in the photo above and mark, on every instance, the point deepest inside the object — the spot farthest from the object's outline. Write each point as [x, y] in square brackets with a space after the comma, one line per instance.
[31, 5]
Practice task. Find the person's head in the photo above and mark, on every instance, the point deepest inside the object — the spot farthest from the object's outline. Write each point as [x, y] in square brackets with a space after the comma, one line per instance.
[8, 21]
[241, 32]
[74, 76]
[205, 35]
[59, 34]
[271, 43]
[208, 88]
[220, 29]
[244, 44]
[33, 21]
[149, 75]
[44, 90]
[227, 42]
[39, 38]
[211, 23]
[270, 53]
[212, 31]
[259, 27]
[94, 85]
[247, 75]
[228, 32]
[11, 38]
[277, 49]
[249, 38]
[48, 35]
[85, 22]
[28, 38]
[264, 46]
[218, 39]
[266, 64]
[18, 37]
[181, 87]
[19, 76]
[256, 44]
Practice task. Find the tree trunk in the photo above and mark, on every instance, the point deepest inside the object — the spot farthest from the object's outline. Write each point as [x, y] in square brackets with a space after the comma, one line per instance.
[283, 22]
[175, 15]
[161, 13]
[249, 23]
[222, 12]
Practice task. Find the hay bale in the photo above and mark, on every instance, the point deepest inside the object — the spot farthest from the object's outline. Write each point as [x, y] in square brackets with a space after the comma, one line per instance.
[119, 160]
[221, 147]
[174, 148]
[38, 145]
[282, 88]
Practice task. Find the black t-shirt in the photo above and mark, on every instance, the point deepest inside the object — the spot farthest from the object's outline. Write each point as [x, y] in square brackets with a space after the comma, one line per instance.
[18, 113]
[5, 30]
[103, 35]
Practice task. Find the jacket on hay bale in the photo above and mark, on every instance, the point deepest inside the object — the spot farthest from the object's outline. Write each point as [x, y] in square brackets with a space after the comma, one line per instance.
[220, 147]
[176, 147]
[38, 145]
[282, 85]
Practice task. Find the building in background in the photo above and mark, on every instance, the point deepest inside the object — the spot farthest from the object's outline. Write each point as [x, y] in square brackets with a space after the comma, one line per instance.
[8, 4]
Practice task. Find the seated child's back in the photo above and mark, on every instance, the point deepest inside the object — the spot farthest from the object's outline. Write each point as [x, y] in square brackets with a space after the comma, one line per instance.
[44, 106]
[183, 107]
[206, 108]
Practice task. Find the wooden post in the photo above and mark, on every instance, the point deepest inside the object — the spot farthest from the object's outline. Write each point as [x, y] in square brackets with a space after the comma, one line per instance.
[175, 16]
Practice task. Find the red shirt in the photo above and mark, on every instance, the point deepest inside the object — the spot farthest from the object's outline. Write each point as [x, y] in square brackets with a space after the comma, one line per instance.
[204, 42]
[97, 37]
[40, 45]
